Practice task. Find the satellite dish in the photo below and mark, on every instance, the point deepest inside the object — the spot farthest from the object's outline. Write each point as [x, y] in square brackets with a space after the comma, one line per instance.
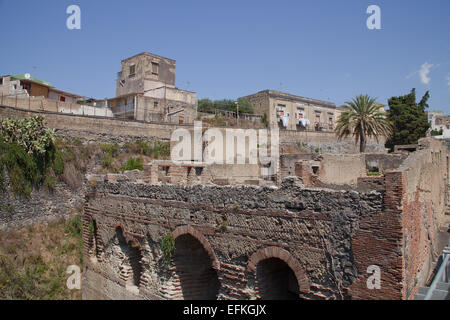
[27, 76]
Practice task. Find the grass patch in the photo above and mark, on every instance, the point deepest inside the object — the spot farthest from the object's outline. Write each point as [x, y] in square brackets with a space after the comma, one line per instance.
[33, 261]
[156, 149]
[133, 164]
[373, 174]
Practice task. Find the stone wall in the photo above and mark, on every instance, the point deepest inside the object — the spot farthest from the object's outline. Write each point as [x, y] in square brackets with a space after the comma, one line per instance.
[415, 209]
[308, 230]
[425, 175]
[40, 103]
[42, 205]
[338, 170]
[90, 128]
[326, 142]
[268, 242]
[86, 128]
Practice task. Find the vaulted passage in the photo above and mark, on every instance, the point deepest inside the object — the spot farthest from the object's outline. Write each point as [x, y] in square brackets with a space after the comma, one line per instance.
[276, 281]
[94, 241]
[131, 267]
[196, 278]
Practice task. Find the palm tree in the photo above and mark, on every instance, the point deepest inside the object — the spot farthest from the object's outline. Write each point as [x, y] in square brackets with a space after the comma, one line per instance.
[363, 118]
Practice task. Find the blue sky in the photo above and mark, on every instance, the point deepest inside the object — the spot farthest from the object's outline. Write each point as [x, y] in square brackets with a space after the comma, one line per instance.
[227, 49]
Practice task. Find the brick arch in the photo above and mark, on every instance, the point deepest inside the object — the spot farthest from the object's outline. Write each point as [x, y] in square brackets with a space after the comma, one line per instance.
[134, 256]
[96, 238]
[182, 230]
[284, 255]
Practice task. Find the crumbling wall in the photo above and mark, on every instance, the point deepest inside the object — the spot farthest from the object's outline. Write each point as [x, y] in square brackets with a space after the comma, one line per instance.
[239, 227]
[425, 175]
[341, 168]
[404, 240]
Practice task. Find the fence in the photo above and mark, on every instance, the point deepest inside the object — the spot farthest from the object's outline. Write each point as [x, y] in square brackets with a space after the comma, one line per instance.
[232, 114]
[44, 104]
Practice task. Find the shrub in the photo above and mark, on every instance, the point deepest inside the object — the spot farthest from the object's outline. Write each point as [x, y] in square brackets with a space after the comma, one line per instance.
[107, 162]
[74, 226]
[50, 182]
[264, 120]
[437, 132]
[22, 168]
[155, 150]
[132, 164]
[110, 149]
[143, 148]
[161, 149]
[77, 143]
[58, 163]
[168, 247]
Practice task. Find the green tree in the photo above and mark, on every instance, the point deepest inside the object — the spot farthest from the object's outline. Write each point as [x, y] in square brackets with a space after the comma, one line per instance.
[205, 105]
[409, 119]
[225, 104]
[244, 106]
[363, 118]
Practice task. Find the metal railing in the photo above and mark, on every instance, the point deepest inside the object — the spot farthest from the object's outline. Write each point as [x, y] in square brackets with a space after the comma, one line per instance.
[232, 114]
[442, 275]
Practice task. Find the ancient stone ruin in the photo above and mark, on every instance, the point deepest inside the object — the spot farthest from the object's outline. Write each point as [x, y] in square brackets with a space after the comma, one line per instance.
[311, 233]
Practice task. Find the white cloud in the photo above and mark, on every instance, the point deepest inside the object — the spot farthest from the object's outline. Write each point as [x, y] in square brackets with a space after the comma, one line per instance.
[424, 72]
[448, 80]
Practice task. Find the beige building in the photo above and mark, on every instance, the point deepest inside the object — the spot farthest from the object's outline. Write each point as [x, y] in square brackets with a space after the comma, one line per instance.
[146, 91]
[292, 112]
[23, 86]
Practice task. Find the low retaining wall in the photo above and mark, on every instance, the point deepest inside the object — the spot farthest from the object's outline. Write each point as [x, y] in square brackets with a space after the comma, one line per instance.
[104, 129]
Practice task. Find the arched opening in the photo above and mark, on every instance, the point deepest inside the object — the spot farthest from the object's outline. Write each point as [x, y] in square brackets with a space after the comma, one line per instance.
[94, 247]
[131, 262]
[276, 280]
[193, 268]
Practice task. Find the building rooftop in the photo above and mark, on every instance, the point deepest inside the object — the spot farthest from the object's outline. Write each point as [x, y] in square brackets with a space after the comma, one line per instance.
[148, 54]
[291, 97]
[29, 78]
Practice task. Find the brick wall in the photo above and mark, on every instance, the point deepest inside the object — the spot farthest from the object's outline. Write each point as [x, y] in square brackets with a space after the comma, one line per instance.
[308, 234]
[315, 243]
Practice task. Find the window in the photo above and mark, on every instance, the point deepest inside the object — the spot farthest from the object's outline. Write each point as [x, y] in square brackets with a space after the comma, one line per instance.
[155, 104]
[155, 68]
[180, 119]
[62, 98]
[26, 86]
[132, 70]
[281, 109]
[1, 81]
